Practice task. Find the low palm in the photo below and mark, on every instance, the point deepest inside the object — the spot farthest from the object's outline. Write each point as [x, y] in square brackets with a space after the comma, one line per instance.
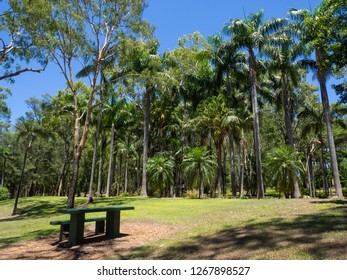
[160, 169]
[199, 167]
[283, 167]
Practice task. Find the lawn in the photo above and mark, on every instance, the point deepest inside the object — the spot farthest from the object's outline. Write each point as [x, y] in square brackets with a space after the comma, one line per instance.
[208, 229]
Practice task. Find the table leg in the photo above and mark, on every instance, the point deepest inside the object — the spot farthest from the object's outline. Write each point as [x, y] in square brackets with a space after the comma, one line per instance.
[76, 229]
[112, 223]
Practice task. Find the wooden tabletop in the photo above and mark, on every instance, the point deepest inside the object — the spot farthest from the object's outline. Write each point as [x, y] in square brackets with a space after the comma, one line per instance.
[95, 209]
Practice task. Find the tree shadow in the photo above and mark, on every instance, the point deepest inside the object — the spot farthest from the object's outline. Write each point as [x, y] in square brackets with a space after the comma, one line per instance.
[335, 201]
[317, 236]
[5, 242]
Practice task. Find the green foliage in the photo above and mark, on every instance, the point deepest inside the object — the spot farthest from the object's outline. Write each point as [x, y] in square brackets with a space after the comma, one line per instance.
[198, 92]
[198, 166]
[191, 194]
[160, 169]
[4, 193]
[282, 166]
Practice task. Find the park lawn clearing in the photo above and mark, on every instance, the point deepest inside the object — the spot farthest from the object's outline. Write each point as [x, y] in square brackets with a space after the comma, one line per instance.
[185, 229]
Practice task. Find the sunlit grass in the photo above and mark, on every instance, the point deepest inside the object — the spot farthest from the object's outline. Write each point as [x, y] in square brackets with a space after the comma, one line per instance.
[209, 229]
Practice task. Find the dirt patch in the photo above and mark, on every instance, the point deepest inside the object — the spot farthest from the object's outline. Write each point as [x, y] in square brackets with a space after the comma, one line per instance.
[134, 234]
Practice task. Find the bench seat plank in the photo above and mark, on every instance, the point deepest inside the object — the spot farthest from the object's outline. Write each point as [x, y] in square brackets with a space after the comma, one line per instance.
[65, 226]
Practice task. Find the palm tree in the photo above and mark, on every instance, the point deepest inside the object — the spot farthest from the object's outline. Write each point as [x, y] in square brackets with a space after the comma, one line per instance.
[285, 167]
[252, 34]
[142, 60]
[219, 119]
[309, 25]
[283, 56]
[198, 167]
[160, 169]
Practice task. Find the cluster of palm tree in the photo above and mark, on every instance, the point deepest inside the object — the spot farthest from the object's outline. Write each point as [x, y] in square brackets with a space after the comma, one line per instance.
[204, 117]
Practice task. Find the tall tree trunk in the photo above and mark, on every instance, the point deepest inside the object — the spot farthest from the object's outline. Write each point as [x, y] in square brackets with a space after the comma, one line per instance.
[96, 142]
[147, 103]
[201, 188]
[219, 162]
[138, 168]
[101, 162]
[3, 173]
[110, 174]
[322, 163]
[232, 167]
[289, 138]
[60, 179]
[256, 128]
[311, 172]
[243, 161]
[14, 212]
[326, 108]
[79, 138]
[92, 171]
[126, 173]
[74, 178]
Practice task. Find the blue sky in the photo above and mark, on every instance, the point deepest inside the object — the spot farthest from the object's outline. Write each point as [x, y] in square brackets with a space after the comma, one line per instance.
[172, 19]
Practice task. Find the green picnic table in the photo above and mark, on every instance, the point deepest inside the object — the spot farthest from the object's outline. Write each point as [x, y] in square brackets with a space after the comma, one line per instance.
[77, 220]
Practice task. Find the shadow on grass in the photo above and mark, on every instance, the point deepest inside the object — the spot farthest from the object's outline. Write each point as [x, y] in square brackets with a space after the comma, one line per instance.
[35, 208]
[338, 202]
[117, 200]
[317, 236]
[5, 242]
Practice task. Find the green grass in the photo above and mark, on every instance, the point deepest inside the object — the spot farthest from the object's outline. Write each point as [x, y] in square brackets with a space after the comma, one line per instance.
[210, 229]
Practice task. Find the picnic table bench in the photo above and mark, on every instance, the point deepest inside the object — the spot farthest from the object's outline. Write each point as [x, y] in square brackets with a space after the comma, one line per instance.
[65, 226]
[75, 225]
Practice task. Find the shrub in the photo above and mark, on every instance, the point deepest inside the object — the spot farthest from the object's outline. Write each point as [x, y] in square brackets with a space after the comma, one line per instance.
[4, 193]
[192, 194]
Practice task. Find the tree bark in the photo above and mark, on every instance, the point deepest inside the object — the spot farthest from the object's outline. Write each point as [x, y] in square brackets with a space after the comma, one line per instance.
[60, 180]
[110, 174]
[219, 162]
[289, 138]
[101, 162]
[322, 163]
[3, 173]
[326, 108]
[232, 167]
[147, 103]
[126, 173]
[256, 129]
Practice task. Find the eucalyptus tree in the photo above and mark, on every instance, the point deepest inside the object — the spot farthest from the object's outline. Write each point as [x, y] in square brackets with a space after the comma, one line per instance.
[29, 131]
[5, 112]
[70, 30]
[317, 38]
[252, 34]
[194, 72]
[198, 166]
[17, 46]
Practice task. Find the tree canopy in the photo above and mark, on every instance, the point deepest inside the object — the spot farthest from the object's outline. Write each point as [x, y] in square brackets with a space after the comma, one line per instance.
[196, 120]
